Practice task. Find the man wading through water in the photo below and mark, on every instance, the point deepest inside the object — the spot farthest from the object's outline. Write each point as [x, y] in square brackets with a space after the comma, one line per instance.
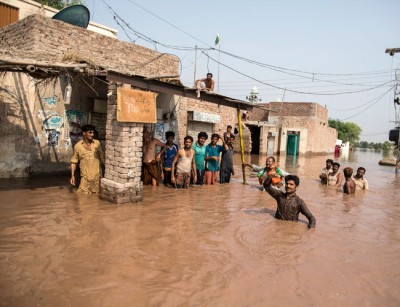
[289, 204]
[90, 156]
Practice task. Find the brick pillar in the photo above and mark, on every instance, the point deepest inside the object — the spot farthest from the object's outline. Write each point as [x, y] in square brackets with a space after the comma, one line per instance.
[124, 142]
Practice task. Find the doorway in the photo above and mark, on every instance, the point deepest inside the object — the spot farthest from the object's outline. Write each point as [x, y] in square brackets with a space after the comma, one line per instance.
[255, 132]
[292, 143]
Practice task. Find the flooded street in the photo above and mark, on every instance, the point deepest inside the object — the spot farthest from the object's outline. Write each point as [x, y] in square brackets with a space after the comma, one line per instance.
[207, 246]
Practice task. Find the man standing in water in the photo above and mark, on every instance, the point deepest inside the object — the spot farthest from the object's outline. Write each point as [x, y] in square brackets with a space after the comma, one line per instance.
[289, 204]
[90, 156]
[200, 153]
[326, 171]
[151, 171]
[361, 182]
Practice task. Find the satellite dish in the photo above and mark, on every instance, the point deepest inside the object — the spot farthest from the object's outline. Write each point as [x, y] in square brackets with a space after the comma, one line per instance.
[77, 15]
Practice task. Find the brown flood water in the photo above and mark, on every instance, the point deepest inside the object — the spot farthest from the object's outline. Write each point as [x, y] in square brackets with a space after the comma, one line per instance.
[206, 246]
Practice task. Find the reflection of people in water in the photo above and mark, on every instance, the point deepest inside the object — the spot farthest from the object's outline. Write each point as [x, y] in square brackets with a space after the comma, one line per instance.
[289, 204]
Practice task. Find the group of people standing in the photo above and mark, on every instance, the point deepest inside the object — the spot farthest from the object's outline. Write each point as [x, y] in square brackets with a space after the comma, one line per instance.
[195, 163]
[332, 176]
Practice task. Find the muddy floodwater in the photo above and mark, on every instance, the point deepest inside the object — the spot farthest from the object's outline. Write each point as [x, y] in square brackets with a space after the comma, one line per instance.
[206, 246]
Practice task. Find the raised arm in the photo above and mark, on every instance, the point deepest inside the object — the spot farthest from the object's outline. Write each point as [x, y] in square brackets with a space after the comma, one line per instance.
[163, 148]
[271, 191]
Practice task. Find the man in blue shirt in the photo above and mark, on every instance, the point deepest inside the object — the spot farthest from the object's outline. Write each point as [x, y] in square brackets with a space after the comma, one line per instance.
[167, 157]
[213, 151]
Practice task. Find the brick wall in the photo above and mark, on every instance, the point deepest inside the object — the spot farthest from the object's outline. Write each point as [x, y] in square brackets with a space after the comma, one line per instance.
[298, 109]
[124, 142]
[228, 115]
[52, 39]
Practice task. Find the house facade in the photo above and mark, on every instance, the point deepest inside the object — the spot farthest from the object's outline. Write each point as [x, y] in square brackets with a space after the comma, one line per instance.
[58, 77]
[291, 128]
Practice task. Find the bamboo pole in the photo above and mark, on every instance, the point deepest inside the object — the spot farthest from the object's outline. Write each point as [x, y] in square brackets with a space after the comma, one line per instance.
[241, 142]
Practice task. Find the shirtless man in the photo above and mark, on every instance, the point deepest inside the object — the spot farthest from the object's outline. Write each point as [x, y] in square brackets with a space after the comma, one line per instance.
[349, 186]
[361, 182]
[151, 170]
[208, 82]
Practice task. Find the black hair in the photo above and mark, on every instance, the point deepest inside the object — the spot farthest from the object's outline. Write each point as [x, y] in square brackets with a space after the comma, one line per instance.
[335, 163]
[188, 137]
[293, 178]
[361, 168]
[229, 126]
[169, 133]
[271, 157]
[214, 135]
[329, 160]
[88, 128]
[202, 135]
[210, 74]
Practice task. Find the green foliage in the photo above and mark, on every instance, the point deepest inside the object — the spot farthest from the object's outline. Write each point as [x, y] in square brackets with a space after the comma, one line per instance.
[385, 146]
[347, 131]
[60, 4]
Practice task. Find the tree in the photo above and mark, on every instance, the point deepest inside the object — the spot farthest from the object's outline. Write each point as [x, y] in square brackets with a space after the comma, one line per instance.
[347, 132]
[60, 4]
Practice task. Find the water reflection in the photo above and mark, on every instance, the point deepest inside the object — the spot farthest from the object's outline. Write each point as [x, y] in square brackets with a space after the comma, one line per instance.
[211, 245]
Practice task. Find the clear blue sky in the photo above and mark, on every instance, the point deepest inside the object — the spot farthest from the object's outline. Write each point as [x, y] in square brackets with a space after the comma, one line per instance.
[339, 43]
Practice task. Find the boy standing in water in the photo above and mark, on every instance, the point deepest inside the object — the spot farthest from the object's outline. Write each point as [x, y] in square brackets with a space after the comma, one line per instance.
[212, 159]
[167, 157]
[184, 160]
[349, 186]
[200, 153]
[361, 182]
[227, 162]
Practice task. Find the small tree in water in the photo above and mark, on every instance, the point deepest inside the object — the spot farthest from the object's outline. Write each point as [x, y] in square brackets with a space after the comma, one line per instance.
[60, 4]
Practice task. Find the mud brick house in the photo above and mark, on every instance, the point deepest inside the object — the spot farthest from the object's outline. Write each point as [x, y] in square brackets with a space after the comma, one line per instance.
[57, 77]
[291, 128]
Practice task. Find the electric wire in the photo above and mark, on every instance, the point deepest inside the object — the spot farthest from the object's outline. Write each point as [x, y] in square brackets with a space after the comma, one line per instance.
[378, 99]
[294, 91]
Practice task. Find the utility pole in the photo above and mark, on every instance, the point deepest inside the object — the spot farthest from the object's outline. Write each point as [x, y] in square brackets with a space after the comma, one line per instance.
[396, 84]
[195, 63]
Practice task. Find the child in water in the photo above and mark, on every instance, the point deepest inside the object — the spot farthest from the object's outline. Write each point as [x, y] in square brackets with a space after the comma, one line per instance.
[271, 170]
[349, 186]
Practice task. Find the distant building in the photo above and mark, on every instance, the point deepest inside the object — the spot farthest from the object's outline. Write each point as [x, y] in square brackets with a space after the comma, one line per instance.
[291, 128]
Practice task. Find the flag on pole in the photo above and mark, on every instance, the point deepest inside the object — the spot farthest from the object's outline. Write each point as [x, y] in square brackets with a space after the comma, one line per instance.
[217, 41]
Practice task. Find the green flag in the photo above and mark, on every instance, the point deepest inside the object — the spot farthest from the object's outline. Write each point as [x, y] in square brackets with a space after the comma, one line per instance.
[217, 41]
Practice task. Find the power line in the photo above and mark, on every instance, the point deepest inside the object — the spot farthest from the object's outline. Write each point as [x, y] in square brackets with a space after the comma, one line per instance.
[294, 91]
[378, 99]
